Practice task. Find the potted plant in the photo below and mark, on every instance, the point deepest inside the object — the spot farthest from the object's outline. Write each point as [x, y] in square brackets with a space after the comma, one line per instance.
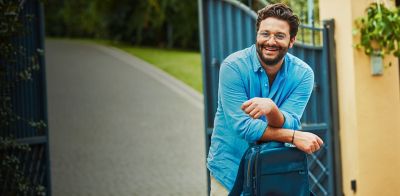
[379, 34]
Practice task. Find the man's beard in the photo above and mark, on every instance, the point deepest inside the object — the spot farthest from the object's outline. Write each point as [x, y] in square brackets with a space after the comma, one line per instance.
[271, 62]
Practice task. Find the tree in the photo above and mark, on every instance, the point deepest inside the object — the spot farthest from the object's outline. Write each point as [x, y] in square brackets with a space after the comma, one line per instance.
[164, 23]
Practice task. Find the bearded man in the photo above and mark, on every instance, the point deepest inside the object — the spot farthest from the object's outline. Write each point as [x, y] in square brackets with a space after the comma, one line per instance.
[263, 91]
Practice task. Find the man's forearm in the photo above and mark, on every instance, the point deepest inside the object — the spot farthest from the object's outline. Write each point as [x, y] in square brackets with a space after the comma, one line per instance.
[275, 117]
[305, 141]
[277, 134]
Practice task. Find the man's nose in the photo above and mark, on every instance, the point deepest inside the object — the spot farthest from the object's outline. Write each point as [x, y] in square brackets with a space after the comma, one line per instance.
[271, 40]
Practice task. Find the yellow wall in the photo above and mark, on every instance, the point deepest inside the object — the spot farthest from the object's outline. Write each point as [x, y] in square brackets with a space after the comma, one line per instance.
[369, 108]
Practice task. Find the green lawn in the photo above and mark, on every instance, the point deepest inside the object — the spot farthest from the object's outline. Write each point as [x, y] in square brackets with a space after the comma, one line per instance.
[183, 65]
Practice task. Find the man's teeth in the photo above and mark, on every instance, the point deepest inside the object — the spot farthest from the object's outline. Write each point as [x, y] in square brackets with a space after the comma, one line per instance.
[271, 48]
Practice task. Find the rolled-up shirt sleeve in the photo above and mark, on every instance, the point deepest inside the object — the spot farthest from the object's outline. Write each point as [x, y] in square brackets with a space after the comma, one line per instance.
[233, 94]
[293, 107]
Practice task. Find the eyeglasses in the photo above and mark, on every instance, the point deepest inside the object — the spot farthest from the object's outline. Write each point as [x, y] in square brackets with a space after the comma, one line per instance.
[277, 36]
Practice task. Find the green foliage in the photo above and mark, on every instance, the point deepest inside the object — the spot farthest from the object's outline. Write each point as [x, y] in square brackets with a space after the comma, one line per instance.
[11, 172]
[12, 28]
[76, 18]
[165, 23]
[299, 7]
[12, 177]
[379, 31]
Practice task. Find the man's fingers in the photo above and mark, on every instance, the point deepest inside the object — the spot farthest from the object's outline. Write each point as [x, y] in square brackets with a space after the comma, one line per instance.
[308, 142]
[320, 142]
[313, 148]
[257, 115]
[246, 104]
[253, 112]
[316, 147]
[316, 144]
[250, 108]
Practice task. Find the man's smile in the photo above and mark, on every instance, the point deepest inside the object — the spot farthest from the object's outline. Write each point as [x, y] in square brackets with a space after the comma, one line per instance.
[270, 50]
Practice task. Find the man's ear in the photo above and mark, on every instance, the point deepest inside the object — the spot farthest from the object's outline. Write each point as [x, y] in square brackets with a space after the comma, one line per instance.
[292, 40]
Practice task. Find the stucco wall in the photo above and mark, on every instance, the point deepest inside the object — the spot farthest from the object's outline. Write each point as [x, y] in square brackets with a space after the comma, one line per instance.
[369, 109]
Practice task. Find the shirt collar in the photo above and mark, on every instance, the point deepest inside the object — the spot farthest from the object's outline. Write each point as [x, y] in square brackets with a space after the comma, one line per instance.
[257, 65]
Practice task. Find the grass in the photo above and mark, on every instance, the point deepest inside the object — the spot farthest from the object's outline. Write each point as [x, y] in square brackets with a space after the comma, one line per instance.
[183, 65]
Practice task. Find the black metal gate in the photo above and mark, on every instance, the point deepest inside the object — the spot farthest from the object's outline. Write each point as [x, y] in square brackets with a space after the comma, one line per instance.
[28, 98]
[227, 26]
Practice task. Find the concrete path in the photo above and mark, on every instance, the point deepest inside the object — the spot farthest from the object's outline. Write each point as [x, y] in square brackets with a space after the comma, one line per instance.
[119, 127]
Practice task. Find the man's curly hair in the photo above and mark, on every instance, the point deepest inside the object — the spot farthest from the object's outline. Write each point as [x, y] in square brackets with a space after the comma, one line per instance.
[282, 12]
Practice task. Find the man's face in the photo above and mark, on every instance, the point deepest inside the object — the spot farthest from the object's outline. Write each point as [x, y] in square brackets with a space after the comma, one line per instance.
[273, 40]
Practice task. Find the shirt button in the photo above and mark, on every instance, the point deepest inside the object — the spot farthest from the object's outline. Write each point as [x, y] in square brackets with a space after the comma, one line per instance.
[265, 84]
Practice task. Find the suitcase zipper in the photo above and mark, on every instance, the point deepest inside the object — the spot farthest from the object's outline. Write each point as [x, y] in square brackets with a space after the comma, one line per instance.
[249, 165]
[248, 168]
[255, 192]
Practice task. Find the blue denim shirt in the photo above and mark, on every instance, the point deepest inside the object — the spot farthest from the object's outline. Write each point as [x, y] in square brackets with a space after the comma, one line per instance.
[242, 78]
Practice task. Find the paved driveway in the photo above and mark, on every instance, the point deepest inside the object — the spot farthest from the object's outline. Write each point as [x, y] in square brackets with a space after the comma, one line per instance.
[119, 127]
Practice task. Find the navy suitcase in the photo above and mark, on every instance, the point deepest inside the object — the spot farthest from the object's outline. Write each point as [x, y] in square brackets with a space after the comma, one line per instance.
[272, 169]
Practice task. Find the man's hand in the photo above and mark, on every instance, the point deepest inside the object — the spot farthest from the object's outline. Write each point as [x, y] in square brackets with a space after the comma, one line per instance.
[307, 142]
[256, 107]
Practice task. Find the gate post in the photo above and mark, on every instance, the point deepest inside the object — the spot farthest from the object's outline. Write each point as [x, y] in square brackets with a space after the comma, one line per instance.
[330, 54]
